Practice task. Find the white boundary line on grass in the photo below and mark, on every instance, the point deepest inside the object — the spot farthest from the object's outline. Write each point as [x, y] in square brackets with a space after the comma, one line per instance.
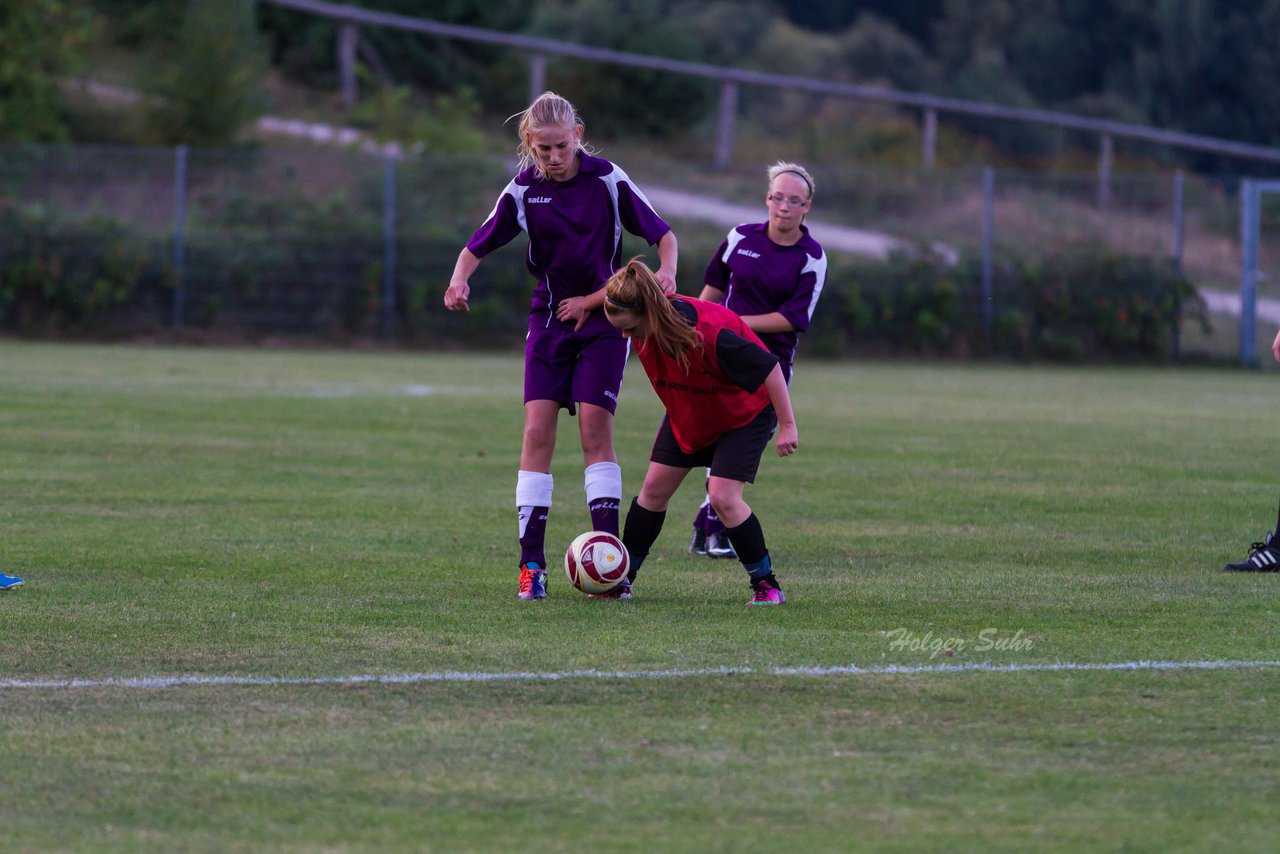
[153, 682]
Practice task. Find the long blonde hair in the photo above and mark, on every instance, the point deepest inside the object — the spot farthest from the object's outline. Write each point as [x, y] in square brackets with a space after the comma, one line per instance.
[635, 289]
[548, 110]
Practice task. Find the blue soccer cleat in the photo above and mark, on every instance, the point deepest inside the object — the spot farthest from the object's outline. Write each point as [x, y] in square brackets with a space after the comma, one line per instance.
[533, 581]
[622, 591]
[10, 582]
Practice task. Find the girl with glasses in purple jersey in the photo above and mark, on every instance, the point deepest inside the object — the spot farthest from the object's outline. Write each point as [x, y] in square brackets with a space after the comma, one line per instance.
[770, 274]
[574, 208]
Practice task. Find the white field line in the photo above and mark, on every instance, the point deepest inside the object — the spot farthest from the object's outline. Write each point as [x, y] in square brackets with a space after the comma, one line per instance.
[154, 682]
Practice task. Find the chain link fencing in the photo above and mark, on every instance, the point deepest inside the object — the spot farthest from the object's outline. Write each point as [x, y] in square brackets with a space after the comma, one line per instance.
[344, 245]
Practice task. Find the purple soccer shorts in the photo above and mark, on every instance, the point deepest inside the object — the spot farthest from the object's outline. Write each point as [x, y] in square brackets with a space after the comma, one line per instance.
[574, 367]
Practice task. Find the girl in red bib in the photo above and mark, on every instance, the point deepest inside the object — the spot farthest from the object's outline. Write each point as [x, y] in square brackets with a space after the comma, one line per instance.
[724, 393]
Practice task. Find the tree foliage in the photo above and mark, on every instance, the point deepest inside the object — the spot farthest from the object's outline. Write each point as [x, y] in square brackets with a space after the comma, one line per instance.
[625, 100]
[208, 85]
[1212, 68]
[302, 46]
[40, 39]
[1203, 66]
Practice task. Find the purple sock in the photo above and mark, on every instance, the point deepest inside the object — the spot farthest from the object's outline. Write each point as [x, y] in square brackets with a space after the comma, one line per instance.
[604, 515]
[533, 535]
[713, 525]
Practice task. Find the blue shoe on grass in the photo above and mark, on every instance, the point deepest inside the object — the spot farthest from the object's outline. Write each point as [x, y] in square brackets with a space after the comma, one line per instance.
[10, 582]
[533, 581]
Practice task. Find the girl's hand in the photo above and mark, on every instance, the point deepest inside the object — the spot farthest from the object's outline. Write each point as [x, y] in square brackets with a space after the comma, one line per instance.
[455, 297]
[788, 439]
[667, 280]
[573, 309]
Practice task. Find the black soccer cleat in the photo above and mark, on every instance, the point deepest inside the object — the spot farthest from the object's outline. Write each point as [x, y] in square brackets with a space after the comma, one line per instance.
[698, 545]
[1263, 557]
[718, 545]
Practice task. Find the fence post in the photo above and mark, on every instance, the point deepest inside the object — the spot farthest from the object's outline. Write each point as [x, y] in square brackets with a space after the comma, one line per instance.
[724, 123]
[179, 235]
[1105, 157]
[537, 75]
[1250, 209]
[1178, 181]
[929, 138]
[988, 234]
[348, 40]
[1178, 217]
[389, 245]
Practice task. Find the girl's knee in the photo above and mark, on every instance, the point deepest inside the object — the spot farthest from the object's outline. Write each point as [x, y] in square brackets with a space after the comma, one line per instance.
[539, 436]
[728, 503]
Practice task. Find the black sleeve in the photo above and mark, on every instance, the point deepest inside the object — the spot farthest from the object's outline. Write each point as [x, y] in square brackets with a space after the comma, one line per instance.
[688, 312]
[745, 363]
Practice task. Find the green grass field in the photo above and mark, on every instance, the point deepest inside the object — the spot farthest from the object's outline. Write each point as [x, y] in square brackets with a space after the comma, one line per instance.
[947, 535]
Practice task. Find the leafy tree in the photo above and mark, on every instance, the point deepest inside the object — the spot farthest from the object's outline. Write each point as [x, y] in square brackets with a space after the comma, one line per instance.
[138, 24]
[874, 49]
[40, 39]
[623, 100]
[209, 85]
[975, 34]
[302, 46]
[727, 32]
[1212, 68]
[785, 48]
[914, 18]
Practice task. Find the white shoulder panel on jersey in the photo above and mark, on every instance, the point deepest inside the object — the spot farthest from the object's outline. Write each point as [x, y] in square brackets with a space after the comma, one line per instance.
[731, 243]
[817, 266]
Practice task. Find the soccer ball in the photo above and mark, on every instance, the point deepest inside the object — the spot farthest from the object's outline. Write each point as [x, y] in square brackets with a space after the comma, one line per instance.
[596, 562]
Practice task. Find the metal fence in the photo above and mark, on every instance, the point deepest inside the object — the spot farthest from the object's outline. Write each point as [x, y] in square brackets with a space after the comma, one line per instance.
[331, 243]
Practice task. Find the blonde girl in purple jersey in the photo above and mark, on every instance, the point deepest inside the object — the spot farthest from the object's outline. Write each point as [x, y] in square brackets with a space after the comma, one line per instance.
[770, 274]
[574, 208]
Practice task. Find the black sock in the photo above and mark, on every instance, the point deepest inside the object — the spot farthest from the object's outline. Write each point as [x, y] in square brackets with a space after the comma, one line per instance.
[748, 541]
[642, 528]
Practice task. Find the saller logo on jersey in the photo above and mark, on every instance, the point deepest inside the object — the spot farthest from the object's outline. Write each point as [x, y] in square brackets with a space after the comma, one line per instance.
[748, 253]
[540, 200]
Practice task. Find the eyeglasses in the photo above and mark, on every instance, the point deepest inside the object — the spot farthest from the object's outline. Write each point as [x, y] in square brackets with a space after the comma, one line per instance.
[789, 201]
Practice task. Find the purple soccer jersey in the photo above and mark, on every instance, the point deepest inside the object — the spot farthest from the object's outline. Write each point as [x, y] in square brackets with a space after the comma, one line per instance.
[575, 233]
[759, 276]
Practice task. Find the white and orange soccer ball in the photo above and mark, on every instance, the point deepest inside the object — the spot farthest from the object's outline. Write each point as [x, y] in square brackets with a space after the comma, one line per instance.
[596, 562]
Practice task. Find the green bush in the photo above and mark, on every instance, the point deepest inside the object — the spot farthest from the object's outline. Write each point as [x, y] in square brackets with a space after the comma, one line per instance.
[89, 276]
[292, 262]
[1086, 304]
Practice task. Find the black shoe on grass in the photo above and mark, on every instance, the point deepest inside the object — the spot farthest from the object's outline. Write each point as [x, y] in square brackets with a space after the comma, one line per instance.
[1263, 557]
